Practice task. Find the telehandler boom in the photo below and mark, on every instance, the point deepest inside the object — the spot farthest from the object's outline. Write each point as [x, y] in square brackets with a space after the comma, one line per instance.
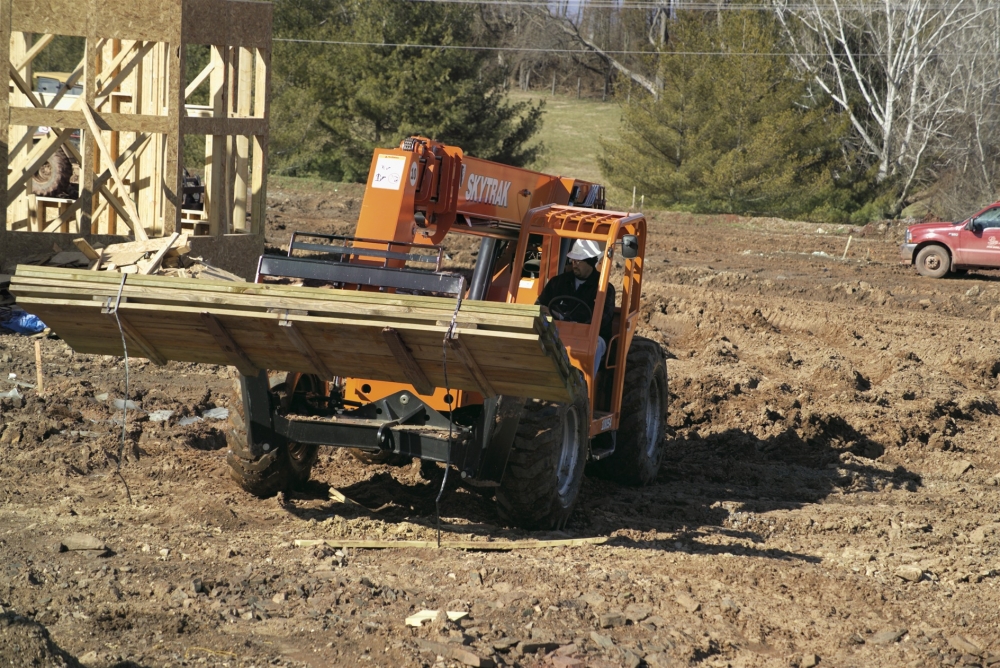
[531, 451]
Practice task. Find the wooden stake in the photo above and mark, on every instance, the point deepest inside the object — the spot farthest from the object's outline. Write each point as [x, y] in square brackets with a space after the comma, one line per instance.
[38, 366]
[844, 256]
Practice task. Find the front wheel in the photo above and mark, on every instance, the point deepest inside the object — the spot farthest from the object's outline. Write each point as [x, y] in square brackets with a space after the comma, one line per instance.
[933, 261]
[544, 472]
[284, 465]
[641, 427]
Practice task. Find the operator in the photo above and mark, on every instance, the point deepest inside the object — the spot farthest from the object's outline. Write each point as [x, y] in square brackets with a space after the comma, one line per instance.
[571, 295]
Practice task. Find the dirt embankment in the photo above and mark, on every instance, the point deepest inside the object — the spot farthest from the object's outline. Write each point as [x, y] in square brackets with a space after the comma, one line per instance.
[830, 495]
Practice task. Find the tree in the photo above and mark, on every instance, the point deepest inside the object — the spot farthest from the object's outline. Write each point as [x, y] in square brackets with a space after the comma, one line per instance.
[730, 133]
[886, 64]
[335, 103]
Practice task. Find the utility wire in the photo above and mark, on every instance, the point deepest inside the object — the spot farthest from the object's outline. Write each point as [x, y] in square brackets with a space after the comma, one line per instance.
[463, 47]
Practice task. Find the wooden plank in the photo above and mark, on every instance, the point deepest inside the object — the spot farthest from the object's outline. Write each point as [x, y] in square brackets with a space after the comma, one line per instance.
[485, 387]
[162, 253]
[123, 73]
[133, 213]
[75, 118]
[233, 352]
[148, 349]
[198, 80]
[489, 546]
[302, 345]
[29, 56]
[84, 246]
[414, 374]
[96, 264]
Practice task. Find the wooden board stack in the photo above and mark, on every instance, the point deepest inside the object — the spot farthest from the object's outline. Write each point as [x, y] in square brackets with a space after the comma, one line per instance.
[498, 348]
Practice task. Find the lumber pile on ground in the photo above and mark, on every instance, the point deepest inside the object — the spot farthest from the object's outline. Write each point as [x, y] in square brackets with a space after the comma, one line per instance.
[505, 349]
[167, 256]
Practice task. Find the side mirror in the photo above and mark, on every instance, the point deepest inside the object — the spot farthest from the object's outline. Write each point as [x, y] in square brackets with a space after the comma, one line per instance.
[975, 225]
[630, 246]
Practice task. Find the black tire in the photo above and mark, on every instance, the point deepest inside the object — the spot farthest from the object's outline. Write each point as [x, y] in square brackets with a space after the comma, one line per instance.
[53, 177]
[641, 427]
[933, 261]
[284, 466]
[544, 472]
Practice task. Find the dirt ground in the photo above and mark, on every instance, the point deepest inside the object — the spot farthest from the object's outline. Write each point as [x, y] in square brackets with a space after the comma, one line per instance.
[830, 495]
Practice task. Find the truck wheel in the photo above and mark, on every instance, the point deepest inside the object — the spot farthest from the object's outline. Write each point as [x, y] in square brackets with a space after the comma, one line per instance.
[639, 448]
[545, 469]
[53, 177]
[933, 261]
[284, 466]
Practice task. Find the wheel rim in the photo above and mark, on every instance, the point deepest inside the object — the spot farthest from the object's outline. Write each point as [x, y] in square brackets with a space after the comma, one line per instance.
[933, 262]
[569, 453]
[298, 452]
[653, 417]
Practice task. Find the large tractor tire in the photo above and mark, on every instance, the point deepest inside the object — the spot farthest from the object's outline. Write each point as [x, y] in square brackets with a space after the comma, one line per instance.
[641, 428]
[545, 469]
[53, 177]
[284, 466]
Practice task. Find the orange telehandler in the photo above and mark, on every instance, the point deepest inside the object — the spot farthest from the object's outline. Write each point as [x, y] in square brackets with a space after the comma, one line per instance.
[532, 452]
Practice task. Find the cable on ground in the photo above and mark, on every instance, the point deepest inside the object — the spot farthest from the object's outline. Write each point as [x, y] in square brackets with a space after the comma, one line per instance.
[121, 447]
[448, 334]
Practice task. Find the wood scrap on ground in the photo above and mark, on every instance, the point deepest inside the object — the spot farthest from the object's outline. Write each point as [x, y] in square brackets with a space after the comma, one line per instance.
[489, 546]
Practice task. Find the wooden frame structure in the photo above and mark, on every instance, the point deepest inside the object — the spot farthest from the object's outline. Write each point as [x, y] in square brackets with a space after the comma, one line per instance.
[132, 117]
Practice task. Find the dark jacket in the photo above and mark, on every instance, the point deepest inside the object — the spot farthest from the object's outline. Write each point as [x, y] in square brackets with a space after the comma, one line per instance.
[565, 285]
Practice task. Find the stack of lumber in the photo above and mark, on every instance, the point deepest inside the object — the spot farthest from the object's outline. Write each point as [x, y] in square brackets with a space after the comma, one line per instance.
[497, 348]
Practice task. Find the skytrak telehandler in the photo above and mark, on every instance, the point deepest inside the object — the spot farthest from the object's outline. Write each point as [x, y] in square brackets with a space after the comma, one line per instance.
[531, 451]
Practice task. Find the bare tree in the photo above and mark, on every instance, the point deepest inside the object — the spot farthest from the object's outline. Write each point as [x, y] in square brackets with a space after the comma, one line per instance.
[885, 63]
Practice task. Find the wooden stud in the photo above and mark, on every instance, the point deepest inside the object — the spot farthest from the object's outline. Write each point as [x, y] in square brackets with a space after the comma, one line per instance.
[412, 371]
[198, 80]
[42, 42]
[485, 387]
[84, 247]
[232, 350]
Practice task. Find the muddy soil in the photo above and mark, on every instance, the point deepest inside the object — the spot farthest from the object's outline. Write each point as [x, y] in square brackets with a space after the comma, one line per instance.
[830, 495]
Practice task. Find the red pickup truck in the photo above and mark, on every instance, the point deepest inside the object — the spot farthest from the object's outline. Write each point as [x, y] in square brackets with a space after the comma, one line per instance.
[937, 248]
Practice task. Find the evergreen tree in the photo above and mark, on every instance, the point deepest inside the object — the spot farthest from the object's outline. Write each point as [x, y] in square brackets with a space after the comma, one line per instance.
[334, 104]
[731, 133]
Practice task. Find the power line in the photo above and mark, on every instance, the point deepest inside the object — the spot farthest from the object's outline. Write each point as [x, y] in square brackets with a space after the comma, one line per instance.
[696, 6]
[526, 49]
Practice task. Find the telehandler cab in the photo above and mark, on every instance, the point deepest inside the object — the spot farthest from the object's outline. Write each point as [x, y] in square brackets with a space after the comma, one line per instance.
[531, 451]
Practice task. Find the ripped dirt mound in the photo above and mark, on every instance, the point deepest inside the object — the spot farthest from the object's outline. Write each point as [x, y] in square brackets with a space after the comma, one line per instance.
[830, 493]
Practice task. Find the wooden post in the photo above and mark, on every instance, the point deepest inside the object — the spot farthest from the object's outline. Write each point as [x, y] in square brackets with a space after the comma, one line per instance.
[5, 115]
[578, 80]
[88, 148]
[261, 109]
[553, 84]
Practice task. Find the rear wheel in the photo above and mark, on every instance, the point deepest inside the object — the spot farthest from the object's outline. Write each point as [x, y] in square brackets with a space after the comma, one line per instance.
[544, 472]
[53, 177]
[641, 428]
[284, 465]
[933, 261]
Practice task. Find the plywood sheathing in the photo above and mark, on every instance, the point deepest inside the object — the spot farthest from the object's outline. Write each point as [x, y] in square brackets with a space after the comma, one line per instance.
[132, 78]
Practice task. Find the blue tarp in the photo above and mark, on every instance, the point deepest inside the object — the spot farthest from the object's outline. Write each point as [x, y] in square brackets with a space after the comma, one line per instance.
[21, 322]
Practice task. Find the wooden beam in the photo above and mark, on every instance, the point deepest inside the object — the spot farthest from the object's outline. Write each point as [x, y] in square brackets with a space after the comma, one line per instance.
[24, 87]
[75, 118]
[198, 80]
[303, 346]
[473, 367]
[84, 247]
[140, 233]
[125, 71]
[43, 41]
[230, 348]
[149, 351]
[412, 371]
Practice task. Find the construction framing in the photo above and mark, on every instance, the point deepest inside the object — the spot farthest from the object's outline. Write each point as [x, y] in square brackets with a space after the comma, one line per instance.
[132, 116]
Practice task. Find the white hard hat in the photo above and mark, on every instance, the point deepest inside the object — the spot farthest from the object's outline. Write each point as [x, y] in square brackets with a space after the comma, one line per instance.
[583, 249]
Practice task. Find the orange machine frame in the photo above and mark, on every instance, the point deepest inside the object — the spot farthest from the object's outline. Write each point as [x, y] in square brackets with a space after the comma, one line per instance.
[424, 189]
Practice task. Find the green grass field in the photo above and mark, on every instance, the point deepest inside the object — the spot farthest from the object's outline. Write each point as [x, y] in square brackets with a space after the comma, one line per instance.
[571, 131]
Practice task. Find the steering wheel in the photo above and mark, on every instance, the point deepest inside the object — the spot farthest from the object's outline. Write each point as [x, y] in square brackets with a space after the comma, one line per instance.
[566, 307]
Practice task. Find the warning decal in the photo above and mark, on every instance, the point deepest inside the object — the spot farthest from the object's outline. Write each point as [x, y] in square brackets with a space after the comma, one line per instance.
[389, 172]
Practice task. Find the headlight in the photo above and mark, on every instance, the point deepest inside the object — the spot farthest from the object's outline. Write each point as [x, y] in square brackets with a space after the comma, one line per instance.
[908, 237]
